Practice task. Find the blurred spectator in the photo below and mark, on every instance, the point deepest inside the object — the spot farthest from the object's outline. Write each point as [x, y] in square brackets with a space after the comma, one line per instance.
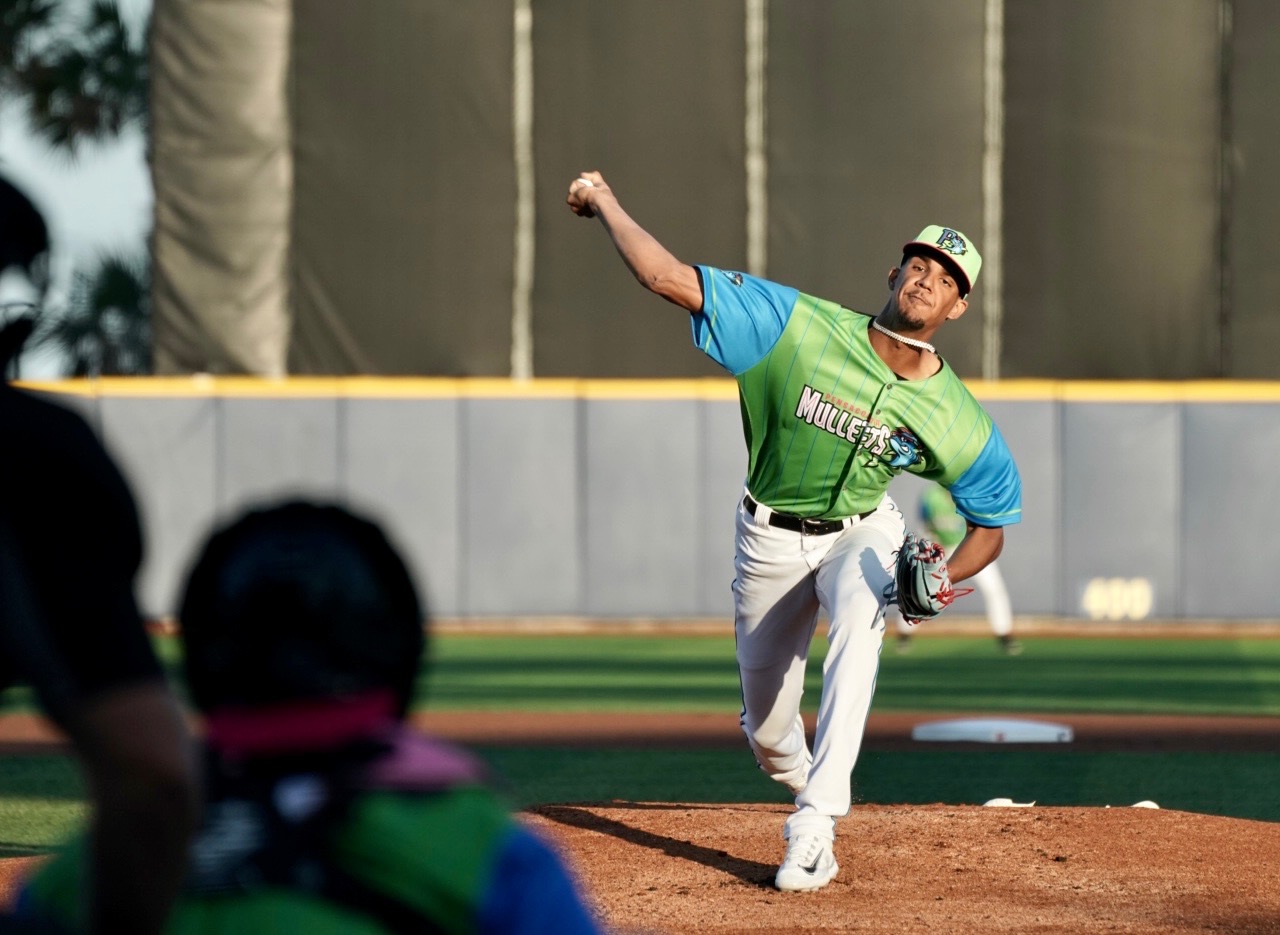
[303, 636]
[70, 548]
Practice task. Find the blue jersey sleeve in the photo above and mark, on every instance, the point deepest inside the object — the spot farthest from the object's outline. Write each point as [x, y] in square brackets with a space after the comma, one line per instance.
[531, 892]
[990, 492]
[742, 317]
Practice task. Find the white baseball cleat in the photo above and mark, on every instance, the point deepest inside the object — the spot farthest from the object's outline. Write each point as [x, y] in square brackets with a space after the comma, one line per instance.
[810, 864]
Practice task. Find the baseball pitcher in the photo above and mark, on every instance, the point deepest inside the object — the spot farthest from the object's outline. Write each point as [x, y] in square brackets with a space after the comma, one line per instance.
[834, 403]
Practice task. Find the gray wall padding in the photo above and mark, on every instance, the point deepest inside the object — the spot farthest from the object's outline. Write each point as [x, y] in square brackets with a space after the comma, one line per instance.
[522, 517]
[268, 448]
[642, 517]
[168, 448]
[1229, 510]
[604, 506]
[399, 463]
[1121, 494]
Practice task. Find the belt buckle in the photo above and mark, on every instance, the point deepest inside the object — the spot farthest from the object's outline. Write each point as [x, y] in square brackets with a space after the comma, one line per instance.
[810, 526]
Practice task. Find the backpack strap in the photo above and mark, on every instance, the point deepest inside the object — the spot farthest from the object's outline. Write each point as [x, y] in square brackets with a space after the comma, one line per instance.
[272, 828]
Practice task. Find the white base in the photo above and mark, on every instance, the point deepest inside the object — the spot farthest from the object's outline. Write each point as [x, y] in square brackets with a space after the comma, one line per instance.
[993, 730]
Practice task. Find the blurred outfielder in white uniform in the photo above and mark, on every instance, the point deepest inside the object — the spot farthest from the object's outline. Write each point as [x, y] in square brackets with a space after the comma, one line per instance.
[834, 403]
[947, 527]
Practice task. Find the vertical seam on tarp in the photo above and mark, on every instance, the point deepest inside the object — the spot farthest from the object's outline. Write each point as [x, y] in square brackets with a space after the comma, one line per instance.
[464, 411]
[522, 125]
[992, 190]
[219, 456]
[1226, 182]
[341, 470]
[290, 272]
[757, 160]
[1180, 496]
[1060, 483]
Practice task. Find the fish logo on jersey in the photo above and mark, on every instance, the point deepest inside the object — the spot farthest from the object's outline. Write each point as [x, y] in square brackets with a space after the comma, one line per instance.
[735, 278]
[905, 446]
[952, 242]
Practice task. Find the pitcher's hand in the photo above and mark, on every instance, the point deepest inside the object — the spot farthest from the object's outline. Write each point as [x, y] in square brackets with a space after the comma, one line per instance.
[583, 190]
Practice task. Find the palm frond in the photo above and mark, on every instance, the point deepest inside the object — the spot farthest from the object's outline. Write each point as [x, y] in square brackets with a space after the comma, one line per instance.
[85, 84]
[20, 22]
[106, 328]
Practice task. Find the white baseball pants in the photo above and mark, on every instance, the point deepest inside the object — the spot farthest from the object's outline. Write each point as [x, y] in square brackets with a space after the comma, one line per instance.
[783, 579]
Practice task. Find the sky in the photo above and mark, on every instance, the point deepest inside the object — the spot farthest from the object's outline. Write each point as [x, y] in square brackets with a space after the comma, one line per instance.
[99, 202]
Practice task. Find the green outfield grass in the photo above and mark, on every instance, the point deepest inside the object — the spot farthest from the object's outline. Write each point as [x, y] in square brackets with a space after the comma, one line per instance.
[640, 672]
[41, 797]
[655, 672]
[41, 802]
[1240, 785]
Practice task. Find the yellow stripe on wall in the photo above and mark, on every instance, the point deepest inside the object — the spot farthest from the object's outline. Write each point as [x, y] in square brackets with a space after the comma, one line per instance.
[390, 387]
[707, 388]
[1129, 391]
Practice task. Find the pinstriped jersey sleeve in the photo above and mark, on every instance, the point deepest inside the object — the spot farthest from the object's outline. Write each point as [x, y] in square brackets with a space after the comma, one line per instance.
[741, 319]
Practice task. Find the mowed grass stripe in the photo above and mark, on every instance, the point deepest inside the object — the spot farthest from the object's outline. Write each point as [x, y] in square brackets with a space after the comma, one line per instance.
[582, 672]
[945, 673]
[696, 673]
[1239, 785]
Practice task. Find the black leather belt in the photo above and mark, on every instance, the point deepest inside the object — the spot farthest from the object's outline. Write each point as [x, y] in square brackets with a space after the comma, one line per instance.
[803, 524]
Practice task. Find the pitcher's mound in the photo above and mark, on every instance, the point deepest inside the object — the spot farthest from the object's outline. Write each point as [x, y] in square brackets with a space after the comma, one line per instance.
[963, 870]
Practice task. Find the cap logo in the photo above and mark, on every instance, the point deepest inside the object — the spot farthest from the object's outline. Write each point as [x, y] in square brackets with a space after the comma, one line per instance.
[952, 242]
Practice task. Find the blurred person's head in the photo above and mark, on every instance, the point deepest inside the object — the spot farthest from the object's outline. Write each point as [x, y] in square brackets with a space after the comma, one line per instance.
[301, 630]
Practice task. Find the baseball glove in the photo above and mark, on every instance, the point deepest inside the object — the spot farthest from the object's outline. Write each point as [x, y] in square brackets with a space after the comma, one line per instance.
[921, 586]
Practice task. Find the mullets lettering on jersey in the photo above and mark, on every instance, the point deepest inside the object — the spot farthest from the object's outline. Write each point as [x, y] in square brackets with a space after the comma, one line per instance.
[842, 423]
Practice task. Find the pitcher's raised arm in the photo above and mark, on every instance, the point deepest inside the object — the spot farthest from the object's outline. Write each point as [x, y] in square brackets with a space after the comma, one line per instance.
[649, 261]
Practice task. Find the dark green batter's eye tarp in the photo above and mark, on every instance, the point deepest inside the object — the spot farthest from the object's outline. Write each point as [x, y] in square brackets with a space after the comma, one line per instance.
[405, 196]
[1111, 189]
[379, 187]
[651, 95]
[1251, 324]
[865, 151]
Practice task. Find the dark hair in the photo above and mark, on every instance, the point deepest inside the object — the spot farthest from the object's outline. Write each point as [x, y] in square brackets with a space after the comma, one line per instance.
[299, 601]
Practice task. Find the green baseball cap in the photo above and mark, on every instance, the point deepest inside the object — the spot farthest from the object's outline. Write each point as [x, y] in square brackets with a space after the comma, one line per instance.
[950, 246]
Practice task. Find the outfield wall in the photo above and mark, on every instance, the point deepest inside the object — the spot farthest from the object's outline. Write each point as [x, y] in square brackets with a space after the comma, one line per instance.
[615, 499]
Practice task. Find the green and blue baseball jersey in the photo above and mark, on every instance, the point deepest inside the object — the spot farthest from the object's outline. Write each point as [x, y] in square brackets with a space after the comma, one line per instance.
[828, 425]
